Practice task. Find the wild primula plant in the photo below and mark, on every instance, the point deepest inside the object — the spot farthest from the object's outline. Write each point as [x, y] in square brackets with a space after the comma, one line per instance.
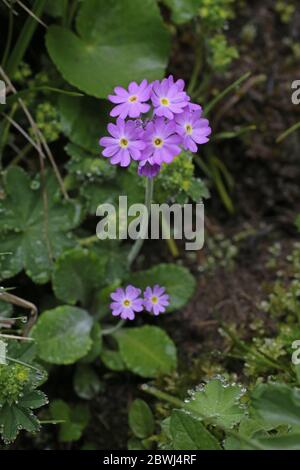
[48, 199]
[173, 123]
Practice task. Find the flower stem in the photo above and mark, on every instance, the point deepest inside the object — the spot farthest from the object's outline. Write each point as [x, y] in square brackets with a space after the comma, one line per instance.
[170, 241]
[113, 329]
[88, 240]
[162, 395]
[136, 248]
[172, 247]
[24, 38]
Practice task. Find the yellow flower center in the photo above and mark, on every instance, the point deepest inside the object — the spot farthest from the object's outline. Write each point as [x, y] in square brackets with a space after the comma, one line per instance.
[126, 303]
[158, 142]
[123, 143]
[132, 98]
[154, 299]
[164, 101]
[188, 129]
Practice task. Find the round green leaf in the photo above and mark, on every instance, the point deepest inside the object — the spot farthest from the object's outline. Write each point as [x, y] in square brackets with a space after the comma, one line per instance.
[63, 335]
[147, 351]
[116, 42]
[77, 274]
[95, 350]
[178, 281]
[277, 404]
[78, 116]
[141, 420]
[112, 360]
[86, 382]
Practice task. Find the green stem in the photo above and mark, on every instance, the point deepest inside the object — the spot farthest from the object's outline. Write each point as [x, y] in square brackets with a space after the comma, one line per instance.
[11, 359]
[286, 133]
[20, 155]
[234, 86]
[65, 9]
[24, 38]
[5, 133]
[198, 62]
[162, 395]
[172, 247]
[170, 241]
[9, 36]
[88, 240]
[136, 248]
[71, 14]
[113, 329]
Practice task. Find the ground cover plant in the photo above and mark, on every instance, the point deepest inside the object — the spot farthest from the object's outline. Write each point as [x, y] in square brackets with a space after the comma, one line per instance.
[113, 343]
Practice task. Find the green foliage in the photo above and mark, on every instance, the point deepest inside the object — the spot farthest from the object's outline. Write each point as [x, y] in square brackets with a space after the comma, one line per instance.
[76, 276]
[140, 419]
[78, 117]
[268, 418]
[62, 335]
[86, 165]
[31, 238]
[112, 360]
[183, 10]
[178, 281]
[177, 183]
[94, 59]
[47, 120]
[283, 300]
[221, 53]
[187, 433]
[297, 222]
[48, 243]
[214, 13]
[147, 351]
[286, 10]
[86, 382]
[277, 404]
[13, 379]
[222, 252]
[75, 419]
[19, 379]
[217, 401]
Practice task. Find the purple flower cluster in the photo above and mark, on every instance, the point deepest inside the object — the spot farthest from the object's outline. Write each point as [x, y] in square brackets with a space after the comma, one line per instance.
[128, 301]
[173, 123]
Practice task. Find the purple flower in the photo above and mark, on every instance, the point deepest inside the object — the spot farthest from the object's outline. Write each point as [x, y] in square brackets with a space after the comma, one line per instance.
[148, 168]
[126, 302]
[161, 141]
[179, 83]
[131, 102]
[124, 144]
[156, 300]
[194, 107]
[168, 97]
[193, 129]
